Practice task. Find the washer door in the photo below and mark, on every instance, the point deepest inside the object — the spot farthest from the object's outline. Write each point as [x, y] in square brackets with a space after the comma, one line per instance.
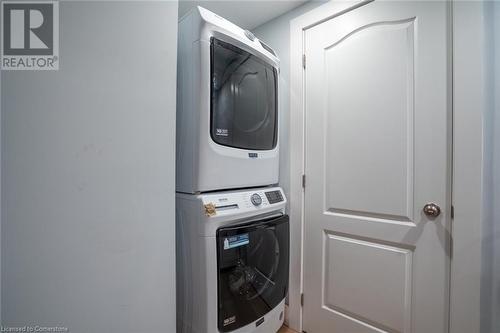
[252, 265]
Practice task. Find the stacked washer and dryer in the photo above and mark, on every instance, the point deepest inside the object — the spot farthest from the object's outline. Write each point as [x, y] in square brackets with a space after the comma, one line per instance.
[232, 230]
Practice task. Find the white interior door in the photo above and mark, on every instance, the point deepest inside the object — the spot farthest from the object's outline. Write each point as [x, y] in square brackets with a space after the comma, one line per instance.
[377, 149]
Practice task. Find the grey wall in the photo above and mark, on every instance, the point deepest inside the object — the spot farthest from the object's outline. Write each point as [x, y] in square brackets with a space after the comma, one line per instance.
[276, 33]
[88, 175]
[496, 169]
[488, 228]
[490, 283]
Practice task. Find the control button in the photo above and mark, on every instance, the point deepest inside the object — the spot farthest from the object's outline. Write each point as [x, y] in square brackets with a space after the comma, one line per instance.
[250, 35]
[274, 197]
[256, 199]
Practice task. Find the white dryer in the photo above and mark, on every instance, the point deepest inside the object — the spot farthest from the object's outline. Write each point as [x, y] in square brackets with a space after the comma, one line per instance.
[232, 261]
[227, 106]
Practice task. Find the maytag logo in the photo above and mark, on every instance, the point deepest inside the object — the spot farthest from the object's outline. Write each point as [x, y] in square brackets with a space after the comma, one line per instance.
[30, 35]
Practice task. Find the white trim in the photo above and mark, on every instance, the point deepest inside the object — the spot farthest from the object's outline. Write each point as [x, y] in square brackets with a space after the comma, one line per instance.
[469, 103]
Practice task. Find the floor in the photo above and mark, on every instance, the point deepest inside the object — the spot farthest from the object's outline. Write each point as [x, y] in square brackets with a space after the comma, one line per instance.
[285, 329]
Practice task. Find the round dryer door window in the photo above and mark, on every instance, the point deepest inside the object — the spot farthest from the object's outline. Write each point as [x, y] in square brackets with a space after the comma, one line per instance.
[253, 261]
[243, 98]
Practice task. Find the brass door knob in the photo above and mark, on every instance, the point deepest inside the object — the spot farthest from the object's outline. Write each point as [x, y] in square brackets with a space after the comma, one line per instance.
[432, 210]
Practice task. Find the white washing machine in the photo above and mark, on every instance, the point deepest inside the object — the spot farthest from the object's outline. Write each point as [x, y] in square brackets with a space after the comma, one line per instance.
[227, 106]
[232, 261]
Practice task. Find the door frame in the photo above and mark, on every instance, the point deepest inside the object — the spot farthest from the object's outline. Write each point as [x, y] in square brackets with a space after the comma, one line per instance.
[468, 85]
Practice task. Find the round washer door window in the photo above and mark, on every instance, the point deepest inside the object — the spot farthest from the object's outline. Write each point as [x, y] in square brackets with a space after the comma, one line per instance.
[253, 261]
[252, 276]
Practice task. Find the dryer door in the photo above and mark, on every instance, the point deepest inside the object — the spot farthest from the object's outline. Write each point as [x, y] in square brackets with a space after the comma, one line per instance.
[252, 265]
[243, 99]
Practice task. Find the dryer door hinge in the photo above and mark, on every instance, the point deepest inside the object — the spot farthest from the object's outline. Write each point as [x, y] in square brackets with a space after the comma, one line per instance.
[302, 300]
[452, 212]
[303, 181]
[304, 61]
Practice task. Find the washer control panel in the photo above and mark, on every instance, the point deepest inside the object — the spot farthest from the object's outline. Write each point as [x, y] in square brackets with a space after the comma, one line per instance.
[241, 201]
[274, 196]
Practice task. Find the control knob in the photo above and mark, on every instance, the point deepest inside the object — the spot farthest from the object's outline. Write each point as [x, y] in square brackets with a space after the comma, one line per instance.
[249, 35]
[256, 199]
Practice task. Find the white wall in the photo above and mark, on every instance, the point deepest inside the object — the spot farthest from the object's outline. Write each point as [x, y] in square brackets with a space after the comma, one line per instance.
[490, 279]
[88, 175]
